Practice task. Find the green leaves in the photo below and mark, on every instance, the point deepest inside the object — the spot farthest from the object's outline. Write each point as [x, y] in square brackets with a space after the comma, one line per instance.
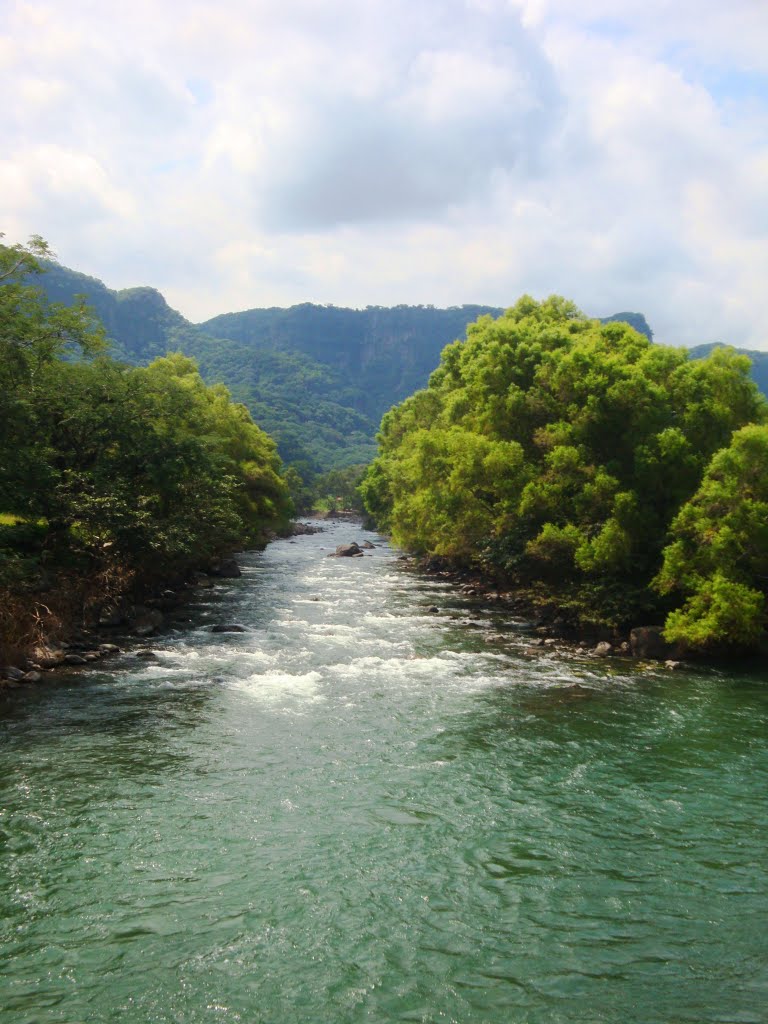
[719, 553]
[145, 469]
[721, 614]
[553, 447]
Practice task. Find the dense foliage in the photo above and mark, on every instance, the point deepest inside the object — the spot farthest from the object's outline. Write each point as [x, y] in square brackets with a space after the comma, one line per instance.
[718, 556]
[109, 472]
[555, 452]
[759, 361]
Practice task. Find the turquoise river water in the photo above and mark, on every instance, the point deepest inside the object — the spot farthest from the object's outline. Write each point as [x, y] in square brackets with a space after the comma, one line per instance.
[357, 811]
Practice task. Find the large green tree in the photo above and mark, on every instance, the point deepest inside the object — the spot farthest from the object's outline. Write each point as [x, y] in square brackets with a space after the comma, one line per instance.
[553, 449]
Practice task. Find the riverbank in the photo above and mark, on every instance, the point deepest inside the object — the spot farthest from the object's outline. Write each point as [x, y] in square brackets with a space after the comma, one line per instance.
[79, 623]
[553, 626]
[65, 640]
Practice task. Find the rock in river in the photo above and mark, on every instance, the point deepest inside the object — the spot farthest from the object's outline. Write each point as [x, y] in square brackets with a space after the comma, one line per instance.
[352, 550]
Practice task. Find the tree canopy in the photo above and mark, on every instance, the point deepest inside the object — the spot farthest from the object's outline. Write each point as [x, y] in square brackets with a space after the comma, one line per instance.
[555, 451]
[114, 472]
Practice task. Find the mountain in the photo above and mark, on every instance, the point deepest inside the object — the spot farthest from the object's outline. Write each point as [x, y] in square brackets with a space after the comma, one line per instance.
[318, 378]
[759, 362]
[138, 321]
[379, 355]
[636, 320]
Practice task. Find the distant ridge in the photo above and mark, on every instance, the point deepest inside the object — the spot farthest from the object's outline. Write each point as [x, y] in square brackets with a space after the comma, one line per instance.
[318, 378]
[759, 362]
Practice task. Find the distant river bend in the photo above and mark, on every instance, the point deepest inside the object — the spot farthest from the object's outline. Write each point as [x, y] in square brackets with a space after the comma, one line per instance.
[357, 811]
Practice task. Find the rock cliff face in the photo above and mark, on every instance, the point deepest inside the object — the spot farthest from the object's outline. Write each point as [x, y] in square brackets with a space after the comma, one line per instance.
[384, 353]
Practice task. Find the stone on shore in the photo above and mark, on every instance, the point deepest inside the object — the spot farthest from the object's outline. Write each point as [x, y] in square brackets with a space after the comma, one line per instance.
[649, 642]
[226, 568]
[75, 659]
[47, 657]
[144, 621]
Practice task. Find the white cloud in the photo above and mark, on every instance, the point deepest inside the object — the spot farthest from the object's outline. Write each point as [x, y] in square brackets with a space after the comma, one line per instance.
[358, 151]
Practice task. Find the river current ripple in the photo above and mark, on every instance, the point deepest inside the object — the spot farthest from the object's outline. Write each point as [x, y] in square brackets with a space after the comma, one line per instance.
[358, 811]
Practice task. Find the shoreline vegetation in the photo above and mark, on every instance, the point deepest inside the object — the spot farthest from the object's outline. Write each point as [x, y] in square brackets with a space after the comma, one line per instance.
[117, 483]
[549, 629]
[606, 480]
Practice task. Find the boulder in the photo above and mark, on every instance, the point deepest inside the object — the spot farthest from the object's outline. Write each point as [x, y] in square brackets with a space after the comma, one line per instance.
[144, 621]
[228, 627]
[367, 545]
[348, 550]
[226, 568]
[14, 674]
[304, 529]
[47, 657]
[649, 642]
[74, 659]
[32, 677]
[603, 649]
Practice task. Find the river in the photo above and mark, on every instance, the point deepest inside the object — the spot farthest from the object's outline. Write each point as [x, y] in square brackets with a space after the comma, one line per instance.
[360, 811]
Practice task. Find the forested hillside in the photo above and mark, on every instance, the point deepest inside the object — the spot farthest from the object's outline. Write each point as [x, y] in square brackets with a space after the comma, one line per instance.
[554, 450]
[317, 378]
[586, 465]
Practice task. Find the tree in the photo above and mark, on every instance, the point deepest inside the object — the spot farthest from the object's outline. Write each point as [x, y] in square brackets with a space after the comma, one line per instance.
[718, 557]
[549, 447]
[33, 334]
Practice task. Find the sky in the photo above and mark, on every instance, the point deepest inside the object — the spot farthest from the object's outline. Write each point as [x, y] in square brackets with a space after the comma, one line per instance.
[374, 152]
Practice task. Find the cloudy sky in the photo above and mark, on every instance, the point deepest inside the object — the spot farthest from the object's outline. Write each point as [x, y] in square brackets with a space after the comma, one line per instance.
[266, 152]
